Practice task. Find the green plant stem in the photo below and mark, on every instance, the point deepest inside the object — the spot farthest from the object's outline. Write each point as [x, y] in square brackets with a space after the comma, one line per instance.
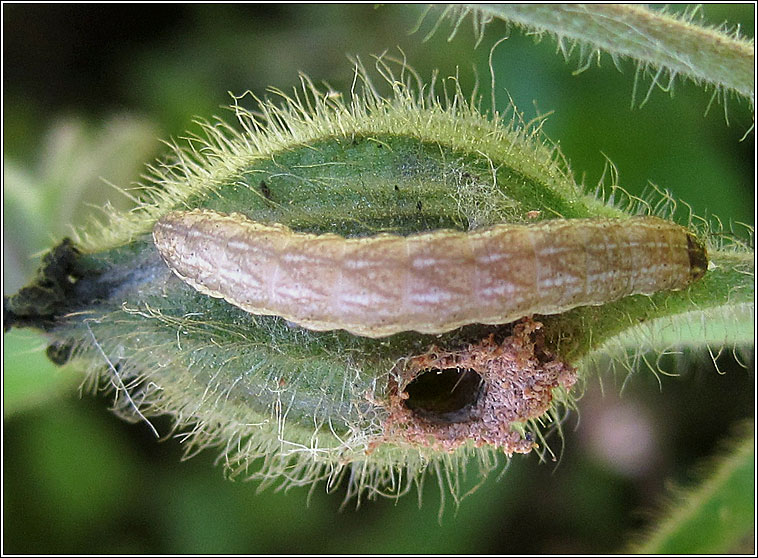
[653, 38]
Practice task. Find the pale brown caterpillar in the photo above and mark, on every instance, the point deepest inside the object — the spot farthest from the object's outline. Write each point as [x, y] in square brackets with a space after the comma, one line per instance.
[430, 282]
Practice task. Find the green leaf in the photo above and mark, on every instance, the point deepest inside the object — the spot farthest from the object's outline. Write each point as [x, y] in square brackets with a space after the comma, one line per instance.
[716, 515]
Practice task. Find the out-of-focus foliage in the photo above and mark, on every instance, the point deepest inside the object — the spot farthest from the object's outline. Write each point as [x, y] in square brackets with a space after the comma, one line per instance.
[714, 514]
[88, 92]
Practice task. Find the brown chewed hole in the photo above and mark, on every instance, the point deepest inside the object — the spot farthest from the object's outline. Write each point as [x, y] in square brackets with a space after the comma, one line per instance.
[448, 395]
[481, 394]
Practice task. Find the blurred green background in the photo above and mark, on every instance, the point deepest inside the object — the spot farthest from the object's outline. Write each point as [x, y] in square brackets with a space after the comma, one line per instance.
[88, 93]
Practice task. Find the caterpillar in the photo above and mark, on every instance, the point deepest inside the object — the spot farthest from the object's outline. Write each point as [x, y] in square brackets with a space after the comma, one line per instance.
[429, 282]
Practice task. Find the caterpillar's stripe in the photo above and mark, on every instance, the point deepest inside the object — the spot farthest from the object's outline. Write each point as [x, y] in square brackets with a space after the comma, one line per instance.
[430, 282]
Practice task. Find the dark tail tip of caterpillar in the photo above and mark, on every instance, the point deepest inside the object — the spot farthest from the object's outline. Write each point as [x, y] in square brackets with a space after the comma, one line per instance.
[698, 257]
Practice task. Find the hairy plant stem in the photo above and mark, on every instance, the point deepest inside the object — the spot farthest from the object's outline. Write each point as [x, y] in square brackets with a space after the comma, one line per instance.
[656, 40]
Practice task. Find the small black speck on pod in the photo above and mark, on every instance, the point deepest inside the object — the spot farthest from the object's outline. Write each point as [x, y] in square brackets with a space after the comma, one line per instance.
[265, 190]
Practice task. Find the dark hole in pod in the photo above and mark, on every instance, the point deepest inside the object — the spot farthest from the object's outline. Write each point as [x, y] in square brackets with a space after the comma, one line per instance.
[448, 395]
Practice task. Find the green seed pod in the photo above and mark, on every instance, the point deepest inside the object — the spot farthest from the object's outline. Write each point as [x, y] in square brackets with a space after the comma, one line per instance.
[319, 291]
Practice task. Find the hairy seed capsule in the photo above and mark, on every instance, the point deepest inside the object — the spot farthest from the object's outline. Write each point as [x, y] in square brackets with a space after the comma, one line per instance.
[430, 282]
